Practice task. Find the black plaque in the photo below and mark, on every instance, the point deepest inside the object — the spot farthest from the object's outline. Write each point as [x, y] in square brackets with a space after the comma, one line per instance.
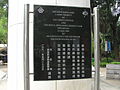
[62, 43]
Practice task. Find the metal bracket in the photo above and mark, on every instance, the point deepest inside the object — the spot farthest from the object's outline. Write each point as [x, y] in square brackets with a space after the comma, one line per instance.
[31, 12]
[92, 14]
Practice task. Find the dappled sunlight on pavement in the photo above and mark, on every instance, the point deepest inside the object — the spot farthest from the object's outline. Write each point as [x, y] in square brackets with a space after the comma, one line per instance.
[108, 84]
[105, 84]
[3, 77]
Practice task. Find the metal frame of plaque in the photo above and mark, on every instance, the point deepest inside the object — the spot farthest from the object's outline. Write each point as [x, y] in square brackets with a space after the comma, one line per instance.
[62, 43]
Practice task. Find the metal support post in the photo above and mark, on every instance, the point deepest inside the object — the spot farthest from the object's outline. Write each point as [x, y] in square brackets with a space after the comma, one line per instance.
[96, 49]
[26, 48]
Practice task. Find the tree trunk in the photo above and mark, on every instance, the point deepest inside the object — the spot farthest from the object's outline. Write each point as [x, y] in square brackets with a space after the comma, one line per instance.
[115, 43]
[116, 51]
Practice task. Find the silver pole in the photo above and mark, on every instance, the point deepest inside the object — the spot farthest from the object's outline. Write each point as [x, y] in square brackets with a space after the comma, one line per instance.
[26, 48]
[96, 49]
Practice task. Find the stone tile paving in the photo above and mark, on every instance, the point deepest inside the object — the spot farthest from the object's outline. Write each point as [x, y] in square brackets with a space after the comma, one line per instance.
[104, 84]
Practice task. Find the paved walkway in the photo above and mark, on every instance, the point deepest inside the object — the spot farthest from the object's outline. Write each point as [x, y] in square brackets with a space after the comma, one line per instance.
[104, 84]
[108, 84]
[3, 85]
[3, 77]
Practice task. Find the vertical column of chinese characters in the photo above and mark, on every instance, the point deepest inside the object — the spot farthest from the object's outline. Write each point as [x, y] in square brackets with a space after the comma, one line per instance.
[83, 60]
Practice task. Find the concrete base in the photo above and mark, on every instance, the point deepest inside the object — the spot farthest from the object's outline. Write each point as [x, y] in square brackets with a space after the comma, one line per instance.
[113, 71]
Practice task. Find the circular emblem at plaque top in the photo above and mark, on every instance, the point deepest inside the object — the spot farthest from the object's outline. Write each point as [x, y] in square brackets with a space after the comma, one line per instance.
[40, 10]
[85, 13]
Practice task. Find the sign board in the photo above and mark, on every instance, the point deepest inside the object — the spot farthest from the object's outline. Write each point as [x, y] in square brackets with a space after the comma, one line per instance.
[107, 46]
[62, 43]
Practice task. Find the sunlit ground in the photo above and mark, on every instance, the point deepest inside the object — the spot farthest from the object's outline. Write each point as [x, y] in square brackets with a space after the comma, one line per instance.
[109, 84]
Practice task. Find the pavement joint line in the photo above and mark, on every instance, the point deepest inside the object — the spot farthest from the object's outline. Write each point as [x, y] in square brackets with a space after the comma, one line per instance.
[5, 76]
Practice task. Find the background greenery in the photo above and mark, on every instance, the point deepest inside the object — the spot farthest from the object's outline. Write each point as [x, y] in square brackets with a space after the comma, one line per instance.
[104, 61]
[109, 28]
[3, 21]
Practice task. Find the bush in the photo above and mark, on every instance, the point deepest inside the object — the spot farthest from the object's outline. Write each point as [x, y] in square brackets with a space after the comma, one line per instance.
[115, 63]
[107, 60]
[103, 64]
[93, 59]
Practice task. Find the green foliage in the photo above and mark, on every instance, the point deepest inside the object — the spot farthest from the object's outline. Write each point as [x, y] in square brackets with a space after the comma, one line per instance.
[3, 3]
[93, 59]
[3, 21]
[115, 62]
[3, 30]
[103, 64]
[118, 31]
[92, 46]
[107, 60]
[109, 24]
